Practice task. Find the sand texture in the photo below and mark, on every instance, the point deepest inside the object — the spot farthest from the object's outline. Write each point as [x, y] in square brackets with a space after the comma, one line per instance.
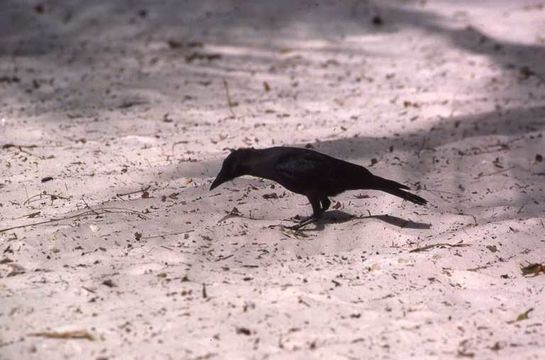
[115, 116]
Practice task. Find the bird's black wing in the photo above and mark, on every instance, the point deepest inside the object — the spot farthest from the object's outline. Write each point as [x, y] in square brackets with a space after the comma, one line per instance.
[307, 172]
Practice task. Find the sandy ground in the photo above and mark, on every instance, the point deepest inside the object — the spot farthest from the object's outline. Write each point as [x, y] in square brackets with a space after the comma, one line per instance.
[115, 117]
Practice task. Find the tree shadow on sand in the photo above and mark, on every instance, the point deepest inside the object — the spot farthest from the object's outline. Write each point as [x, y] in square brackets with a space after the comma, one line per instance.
[76, 33]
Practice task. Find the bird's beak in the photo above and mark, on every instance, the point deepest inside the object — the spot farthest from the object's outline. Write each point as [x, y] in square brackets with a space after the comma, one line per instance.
[220, 179]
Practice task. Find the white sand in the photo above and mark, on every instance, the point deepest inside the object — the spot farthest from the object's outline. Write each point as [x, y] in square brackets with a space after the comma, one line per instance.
[447, 96]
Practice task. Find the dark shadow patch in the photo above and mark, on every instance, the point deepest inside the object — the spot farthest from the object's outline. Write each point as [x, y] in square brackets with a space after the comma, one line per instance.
[399, 222]
[337, 216]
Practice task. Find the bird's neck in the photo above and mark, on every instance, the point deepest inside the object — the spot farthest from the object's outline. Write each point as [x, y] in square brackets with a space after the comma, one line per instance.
[257, 167]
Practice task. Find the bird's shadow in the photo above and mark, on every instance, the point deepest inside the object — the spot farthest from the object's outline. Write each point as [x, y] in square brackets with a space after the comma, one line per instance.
[337, 216]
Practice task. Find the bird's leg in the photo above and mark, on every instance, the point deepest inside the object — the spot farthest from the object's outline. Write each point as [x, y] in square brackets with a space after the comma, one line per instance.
[317, 212]
[325, 203]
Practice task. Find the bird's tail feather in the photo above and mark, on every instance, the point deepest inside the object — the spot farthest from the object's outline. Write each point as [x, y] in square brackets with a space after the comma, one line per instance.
[395, 188]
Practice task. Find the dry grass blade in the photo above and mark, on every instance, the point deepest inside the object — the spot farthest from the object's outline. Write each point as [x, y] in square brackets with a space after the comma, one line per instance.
[439, 245]
[75, 334]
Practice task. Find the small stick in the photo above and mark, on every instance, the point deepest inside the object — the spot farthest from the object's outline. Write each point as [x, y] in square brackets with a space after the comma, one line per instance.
[167, 234]
[88, 207]
[134, 192]
[427, 247]
[39, 196]
[7, 146]
[88, 289]
[224, 258]
[31, 154]
[496, 172]
[76, 334]
[229, 102]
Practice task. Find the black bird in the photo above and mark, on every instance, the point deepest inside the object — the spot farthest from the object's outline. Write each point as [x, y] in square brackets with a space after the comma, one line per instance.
[307, 172]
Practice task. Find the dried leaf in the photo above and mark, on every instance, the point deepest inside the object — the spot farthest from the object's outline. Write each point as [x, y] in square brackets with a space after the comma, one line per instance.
[524, 315]
[202, 56]
[33, 215]
[174, 44]
[532, 269]
[362, 196]
[270, 196]
[492, 248]
[5, 261]
[109, 283]
[244, 331]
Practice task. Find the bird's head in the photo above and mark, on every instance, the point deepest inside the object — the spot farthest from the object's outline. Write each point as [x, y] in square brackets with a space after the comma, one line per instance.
[233, 166]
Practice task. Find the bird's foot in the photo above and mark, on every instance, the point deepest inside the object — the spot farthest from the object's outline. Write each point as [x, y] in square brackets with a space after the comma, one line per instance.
[303, 222]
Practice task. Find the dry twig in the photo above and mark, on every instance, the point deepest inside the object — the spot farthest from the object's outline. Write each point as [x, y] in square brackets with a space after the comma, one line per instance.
[75, 334]
[98, 211]
[431, 246]
[134, 192]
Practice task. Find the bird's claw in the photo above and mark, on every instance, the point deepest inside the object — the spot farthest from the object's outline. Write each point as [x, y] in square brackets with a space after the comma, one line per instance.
[302, 223]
